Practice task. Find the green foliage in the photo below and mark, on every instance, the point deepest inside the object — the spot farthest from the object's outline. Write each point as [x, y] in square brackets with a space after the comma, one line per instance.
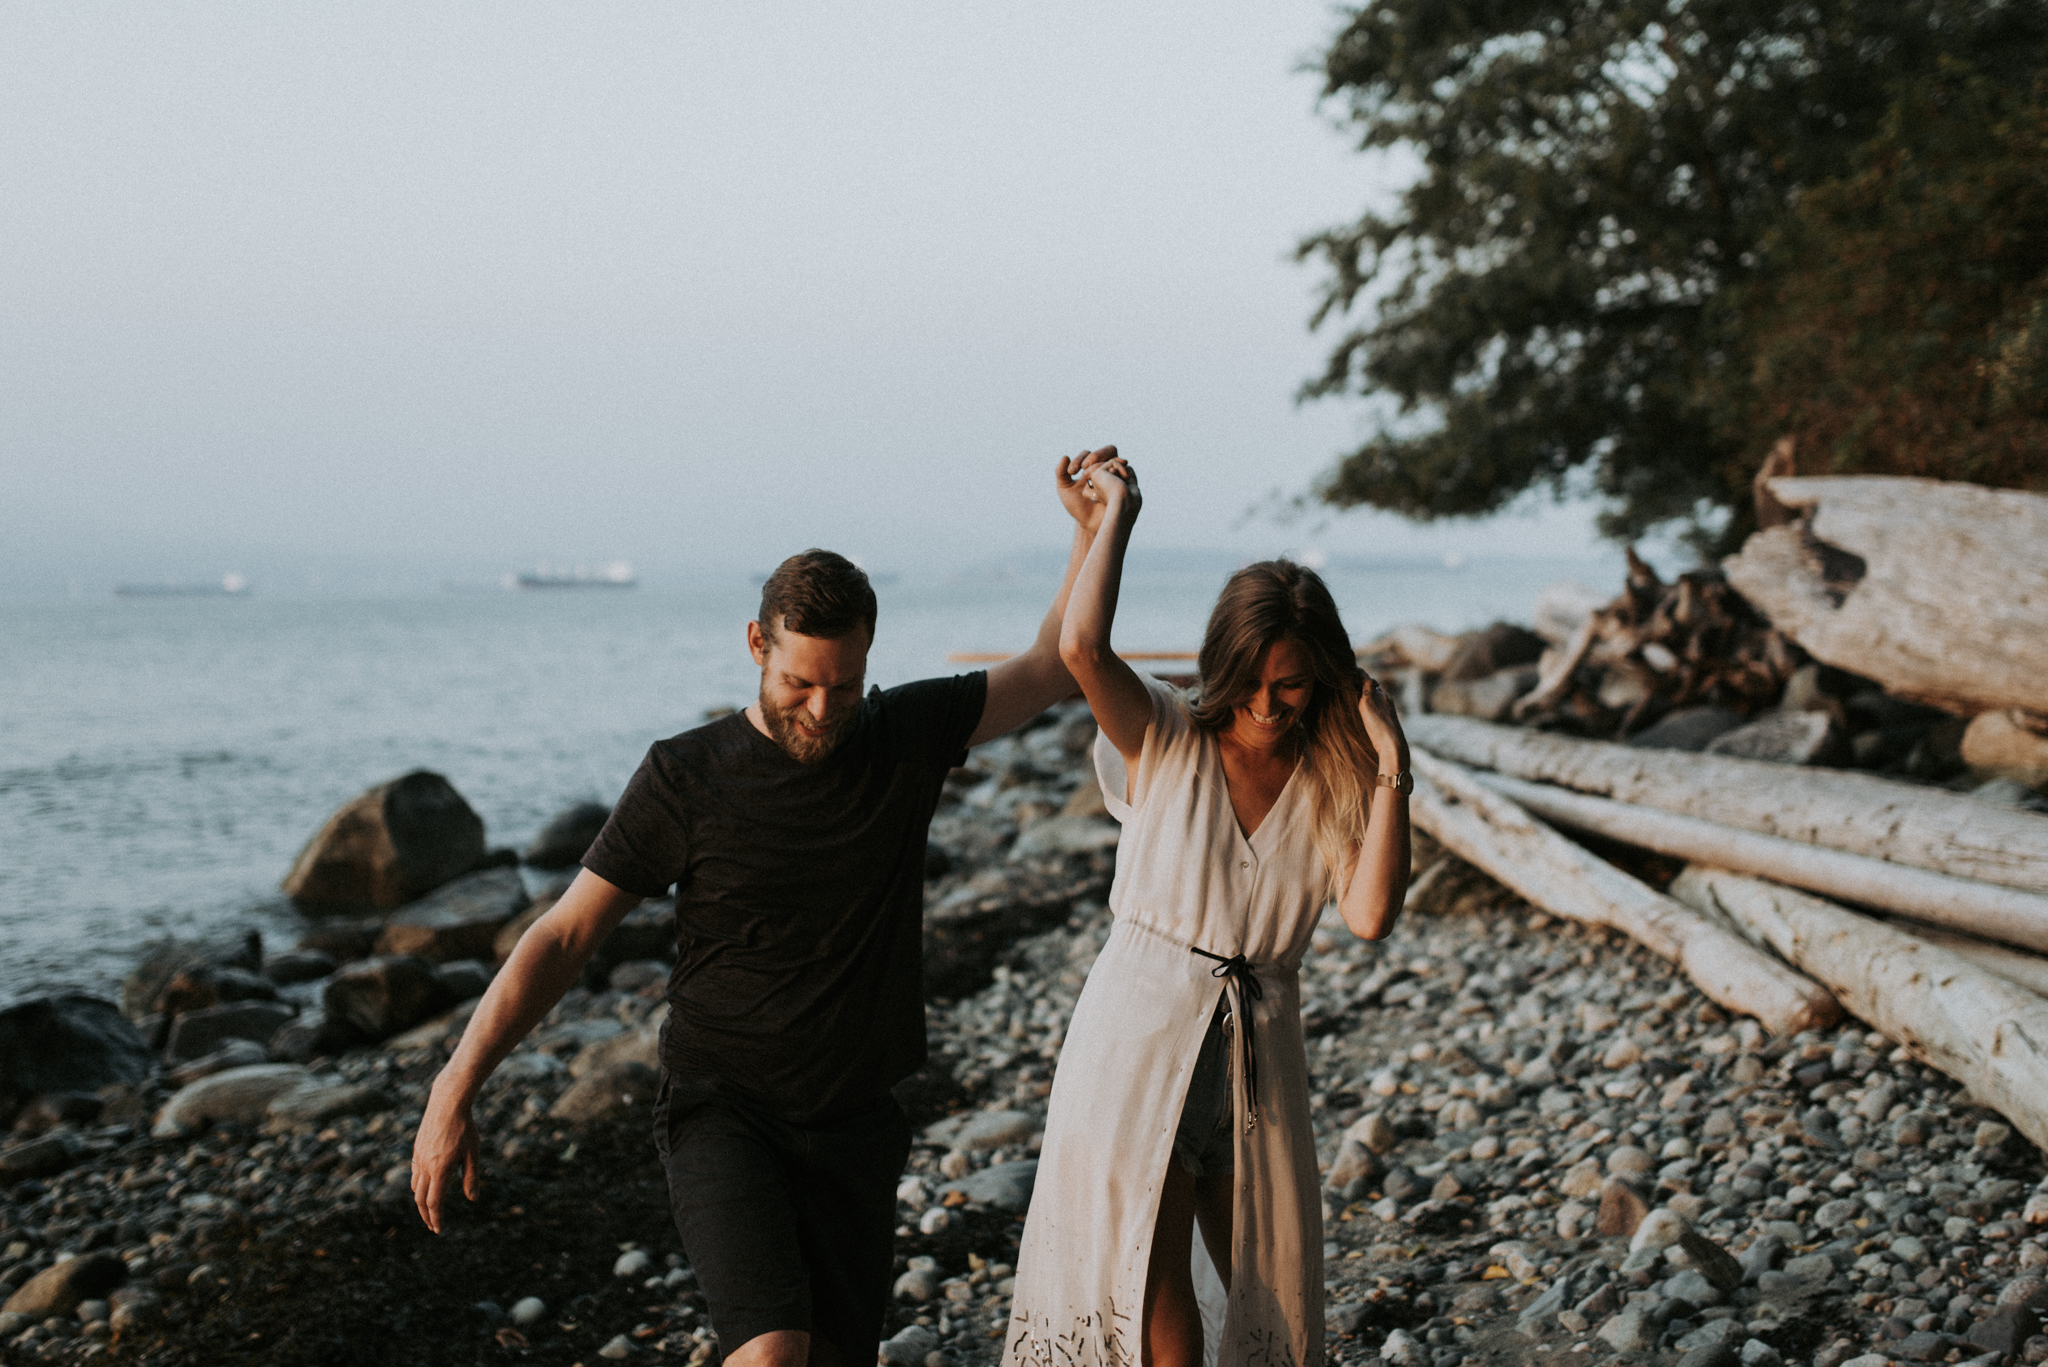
[1554, 292]
[1898, 326]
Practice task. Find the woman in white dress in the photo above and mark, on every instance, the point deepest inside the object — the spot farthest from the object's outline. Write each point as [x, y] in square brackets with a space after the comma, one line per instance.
[1182, 1092]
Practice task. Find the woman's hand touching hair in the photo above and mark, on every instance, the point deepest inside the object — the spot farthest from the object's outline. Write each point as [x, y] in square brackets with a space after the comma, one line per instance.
[1382, 723]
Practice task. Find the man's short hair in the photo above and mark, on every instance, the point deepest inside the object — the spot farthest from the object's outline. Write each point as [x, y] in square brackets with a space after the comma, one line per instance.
[817, 593]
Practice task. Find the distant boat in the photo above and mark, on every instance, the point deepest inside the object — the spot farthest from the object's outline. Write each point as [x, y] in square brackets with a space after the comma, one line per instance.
[617, 575]
[230, 586]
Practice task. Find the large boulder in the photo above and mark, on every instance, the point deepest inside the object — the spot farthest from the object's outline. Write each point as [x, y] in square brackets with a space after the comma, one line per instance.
[240, 1095]
[377, 998]
[564, 840]
[70, 1043]
[398, 841]
[460, 920]
[196, 1034]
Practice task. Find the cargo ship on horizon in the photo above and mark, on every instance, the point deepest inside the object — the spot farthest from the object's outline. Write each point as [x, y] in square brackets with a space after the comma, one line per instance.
[617, 575]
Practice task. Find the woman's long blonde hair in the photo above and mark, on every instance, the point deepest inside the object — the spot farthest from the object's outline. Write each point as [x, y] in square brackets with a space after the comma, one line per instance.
[1278, 600]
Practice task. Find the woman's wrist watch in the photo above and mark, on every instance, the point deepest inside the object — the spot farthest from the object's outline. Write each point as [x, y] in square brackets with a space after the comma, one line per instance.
[1403, 782]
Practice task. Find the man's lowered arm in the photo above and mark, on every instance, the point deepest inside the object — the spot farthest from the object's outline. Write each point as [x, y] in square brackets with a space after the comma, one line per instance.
[548, 960]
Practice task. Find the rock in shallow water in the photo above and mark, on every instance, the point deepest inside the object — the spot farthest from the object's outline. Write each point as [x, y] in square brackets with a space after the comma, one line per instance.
[398, 841]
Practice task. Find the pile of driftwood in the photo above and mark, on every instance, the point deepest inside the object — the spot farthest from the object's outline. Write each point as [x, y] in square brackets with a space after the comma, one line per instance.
[1931, 666]
[1804, 891]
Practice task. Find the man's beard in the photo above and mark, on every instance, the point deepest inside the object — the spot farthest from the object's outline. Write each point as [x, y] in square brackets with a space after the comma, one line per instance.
[798, 744]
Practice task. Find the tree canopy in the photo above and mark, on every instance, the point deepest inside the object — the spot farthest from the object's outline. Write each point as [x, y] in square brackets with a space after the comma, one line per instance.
[1648, 239]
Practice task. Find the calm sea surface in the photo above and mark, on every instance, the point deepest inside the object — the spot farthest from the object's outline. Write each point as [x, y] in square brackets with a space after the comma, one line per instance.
[163, 760]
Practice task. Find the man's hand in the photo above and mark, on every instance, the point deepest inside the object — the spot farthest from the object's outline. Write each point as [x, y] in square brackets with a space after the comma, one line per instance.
[1071, 478]
[447, 1141]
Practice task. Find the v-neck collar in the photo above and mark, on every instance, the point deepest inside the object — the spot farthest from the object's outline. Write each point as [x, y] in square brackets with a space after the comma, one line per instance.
[1250, 842]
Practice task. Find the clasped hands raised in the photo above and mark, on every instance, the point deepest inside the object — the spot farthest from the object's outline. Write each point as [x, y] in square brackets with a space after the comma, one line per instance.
[1096, 482]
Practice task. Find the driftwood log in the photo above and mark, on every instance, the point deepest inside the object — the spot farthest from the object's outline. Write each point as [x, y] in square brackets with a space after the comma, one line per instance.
[2014, 965]
[1985, 1032]
[1981, 909]
[1928, 828]
[1938, 591]
[1491, 832]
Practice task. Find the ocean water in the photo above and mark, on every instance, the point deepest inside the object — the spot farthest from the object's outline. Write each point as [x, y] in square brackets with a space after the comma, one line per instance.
[163, 760]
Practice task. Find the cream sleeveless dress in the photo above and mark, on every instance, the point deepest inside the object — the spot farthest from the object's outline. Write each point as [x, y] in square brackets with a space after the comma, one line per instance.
[1186, 880]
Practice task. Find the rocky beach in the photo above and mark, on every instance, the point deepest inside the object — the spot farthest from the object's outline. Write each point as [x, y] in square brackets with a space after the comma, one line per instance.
[1541, 1142]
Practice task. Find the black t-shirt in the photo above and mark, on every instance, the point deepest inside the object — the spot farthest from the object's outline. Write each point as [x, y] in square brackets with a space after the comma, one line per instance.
[799, 978]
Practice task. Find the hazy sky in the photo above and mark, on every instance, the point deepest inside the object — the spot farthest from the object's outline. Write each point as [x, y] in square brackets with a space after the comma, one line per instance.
[457, 288]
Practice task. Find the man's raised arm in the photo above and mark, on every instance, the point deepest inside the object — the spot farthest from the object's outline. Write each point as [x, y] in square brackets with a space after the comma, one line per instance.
[546, 963]
[1024, 685]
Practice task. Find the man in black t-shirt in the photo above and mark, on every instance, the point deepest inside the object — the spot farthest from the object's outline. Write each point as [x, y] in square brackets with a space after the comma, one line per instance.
[794, 835]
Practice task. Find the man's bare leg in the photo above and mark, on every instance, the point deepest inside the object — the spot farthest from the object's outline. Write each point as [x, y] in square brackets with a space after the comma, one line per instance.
[783, 1348]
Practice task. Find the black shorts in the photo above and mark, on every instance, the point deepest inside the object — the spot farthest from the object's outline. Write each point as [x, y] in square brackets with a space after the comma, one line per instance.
[787, 1226]
[1205, 1142]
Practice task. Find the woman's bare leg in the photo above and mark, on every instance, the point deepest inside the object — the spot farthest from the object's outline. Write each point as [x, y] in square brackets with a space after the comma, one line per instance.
[1215, 1203]
[1173, 1322]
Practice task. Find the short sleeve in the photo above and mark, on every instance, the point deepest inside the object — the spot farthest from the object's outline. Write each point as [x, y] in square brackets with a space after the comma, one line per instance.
[933, 718]
[644, 846]
[1169, 725]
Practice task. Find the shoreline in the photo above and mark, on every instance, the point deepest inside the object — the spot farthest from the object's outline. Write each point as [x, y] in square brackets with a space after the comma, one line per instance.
[1486, 1080]
[1540, 1143]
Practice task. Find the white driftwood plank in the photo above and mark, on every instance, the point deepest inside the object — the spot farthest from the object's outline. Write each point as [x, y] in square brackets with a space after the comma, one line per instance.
[1860, 813]
[1952, 608]
[1491, 832]
[1985, 1032]
[2014, 965]
[1982, 909]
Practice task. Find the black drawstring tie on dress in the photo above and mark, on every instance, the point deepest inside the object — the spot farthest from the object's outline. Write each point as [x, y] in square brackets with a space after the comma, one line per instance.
[1238, 969]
